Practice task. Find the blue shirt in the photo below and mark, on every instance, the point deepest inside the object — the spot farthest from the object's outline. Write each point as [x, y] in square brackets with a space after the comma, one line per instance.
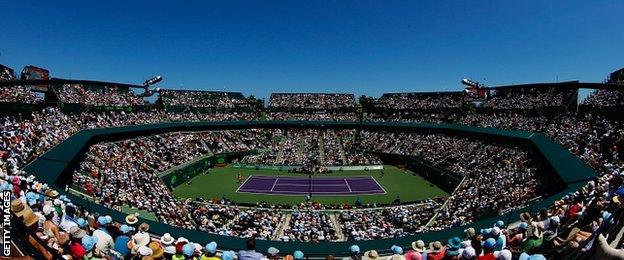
[249, 255]
[121, 245]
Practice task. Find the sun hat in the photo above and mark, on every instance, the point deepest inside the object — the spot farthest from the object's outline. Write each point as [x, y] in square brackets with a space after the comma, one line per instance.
[144, 227]
[157, 250]
[354, 249]
[436, 246]
[503, 255]
[499, 224]
[523, 226]
[144, 251]
[211, 247]
[101, 220]
[298, 255]
[31, 198]
[81, 222]
[51, 193]
[182, 239]
[525, 256]
[88, 242]
[188, 249]
[489, 243]
[228, 255]
[77, 232]
[619, 196]
[495, 231]
[47, 210]
[397, 250]
[5, 186]
[470, 232]
[418, 246]
[132, 219]
[372, 254]
[170, 249]
[18, 207]
[140, 239]
[125, 229]
[606, 216]
[525, 216]
[468, 253]
[272, 251]
[166, 239]
[454, 243]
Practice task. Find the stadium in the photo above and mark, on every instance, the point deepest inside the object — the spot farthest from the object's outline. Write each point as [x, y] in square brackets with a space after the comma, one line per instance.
[311, 130]
[312, 172]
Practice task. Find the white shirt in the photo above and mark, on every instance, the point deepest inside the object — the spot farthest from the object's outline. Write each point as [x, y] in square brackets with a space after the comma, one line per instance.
[105, 241]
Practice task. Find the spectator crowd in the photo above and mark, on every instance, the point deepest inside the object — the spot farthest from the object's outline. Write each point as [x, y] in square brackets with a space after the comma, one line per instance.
[318, 101]
[97, 96]
[203, 99]
[495, 177]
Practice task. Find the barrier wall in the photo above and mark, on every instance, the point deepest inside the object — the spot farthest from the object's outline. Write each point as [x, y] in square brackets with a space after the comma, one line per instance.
[179, 174]
[444, 179]
[54, 168]
[288, 168]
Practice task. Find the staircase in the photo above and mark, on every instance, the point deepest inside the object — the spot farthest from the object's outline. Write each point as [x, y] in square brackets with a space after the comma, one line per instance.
[301, 151]
[205, 146]
[279, 159]
[321, 143]
[279, 230]
[341, 149]
[336, 225]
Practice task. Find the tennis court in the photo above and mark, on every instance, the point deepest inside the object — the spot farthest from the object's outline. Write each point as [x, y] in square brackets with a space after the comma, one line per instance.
[316, 185]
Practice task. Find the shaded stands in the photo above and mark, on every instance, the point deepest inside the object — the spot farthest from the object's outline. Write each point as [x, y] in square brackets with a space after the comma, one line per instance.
[6, 73]
[76, 95]
[420, 101]
[312, 102]
[546, 98]
[418, 105]
[54, 166]
[203, 101]
[535, 99]
[607, 99]
[616, 77]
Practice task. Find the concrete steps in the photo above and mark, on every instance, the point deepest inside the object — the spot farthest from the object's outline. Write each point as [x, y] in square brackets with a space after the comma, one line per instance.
[279, 231]
[337, 227]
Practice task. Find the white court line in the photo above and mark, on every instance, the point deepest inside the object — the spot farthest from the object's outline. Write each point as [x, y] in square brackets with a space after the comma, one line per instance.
[298, 193]
[346, 182]
[313, 185]
[244, 183]
[382, 188]
[272, 187]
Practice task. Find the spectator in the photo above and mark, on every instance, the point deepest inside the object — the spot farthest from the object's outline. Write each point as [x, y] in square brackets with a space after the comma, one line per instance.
[397, 253]
[250, 253]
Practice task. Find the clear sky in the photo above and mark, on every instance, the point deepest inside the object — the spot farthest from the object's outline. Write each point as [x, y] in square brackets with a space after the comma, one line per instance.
[363, 47]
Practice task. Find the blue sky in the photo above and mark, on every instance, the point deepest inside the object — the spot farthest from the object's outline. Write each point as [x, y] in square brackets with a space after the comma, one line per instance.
[363, 47]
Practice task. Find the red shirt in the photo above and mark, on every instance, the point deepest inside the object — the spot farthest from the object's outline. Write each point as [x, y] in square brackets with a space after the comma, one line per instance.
[489, 256]
[77, 250]
[573, 210]
[435, 256]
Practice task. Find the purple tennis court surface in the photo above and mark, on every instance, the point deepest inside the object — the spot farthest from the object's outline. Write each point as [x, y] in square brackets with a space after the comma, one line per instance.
[318, 185]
